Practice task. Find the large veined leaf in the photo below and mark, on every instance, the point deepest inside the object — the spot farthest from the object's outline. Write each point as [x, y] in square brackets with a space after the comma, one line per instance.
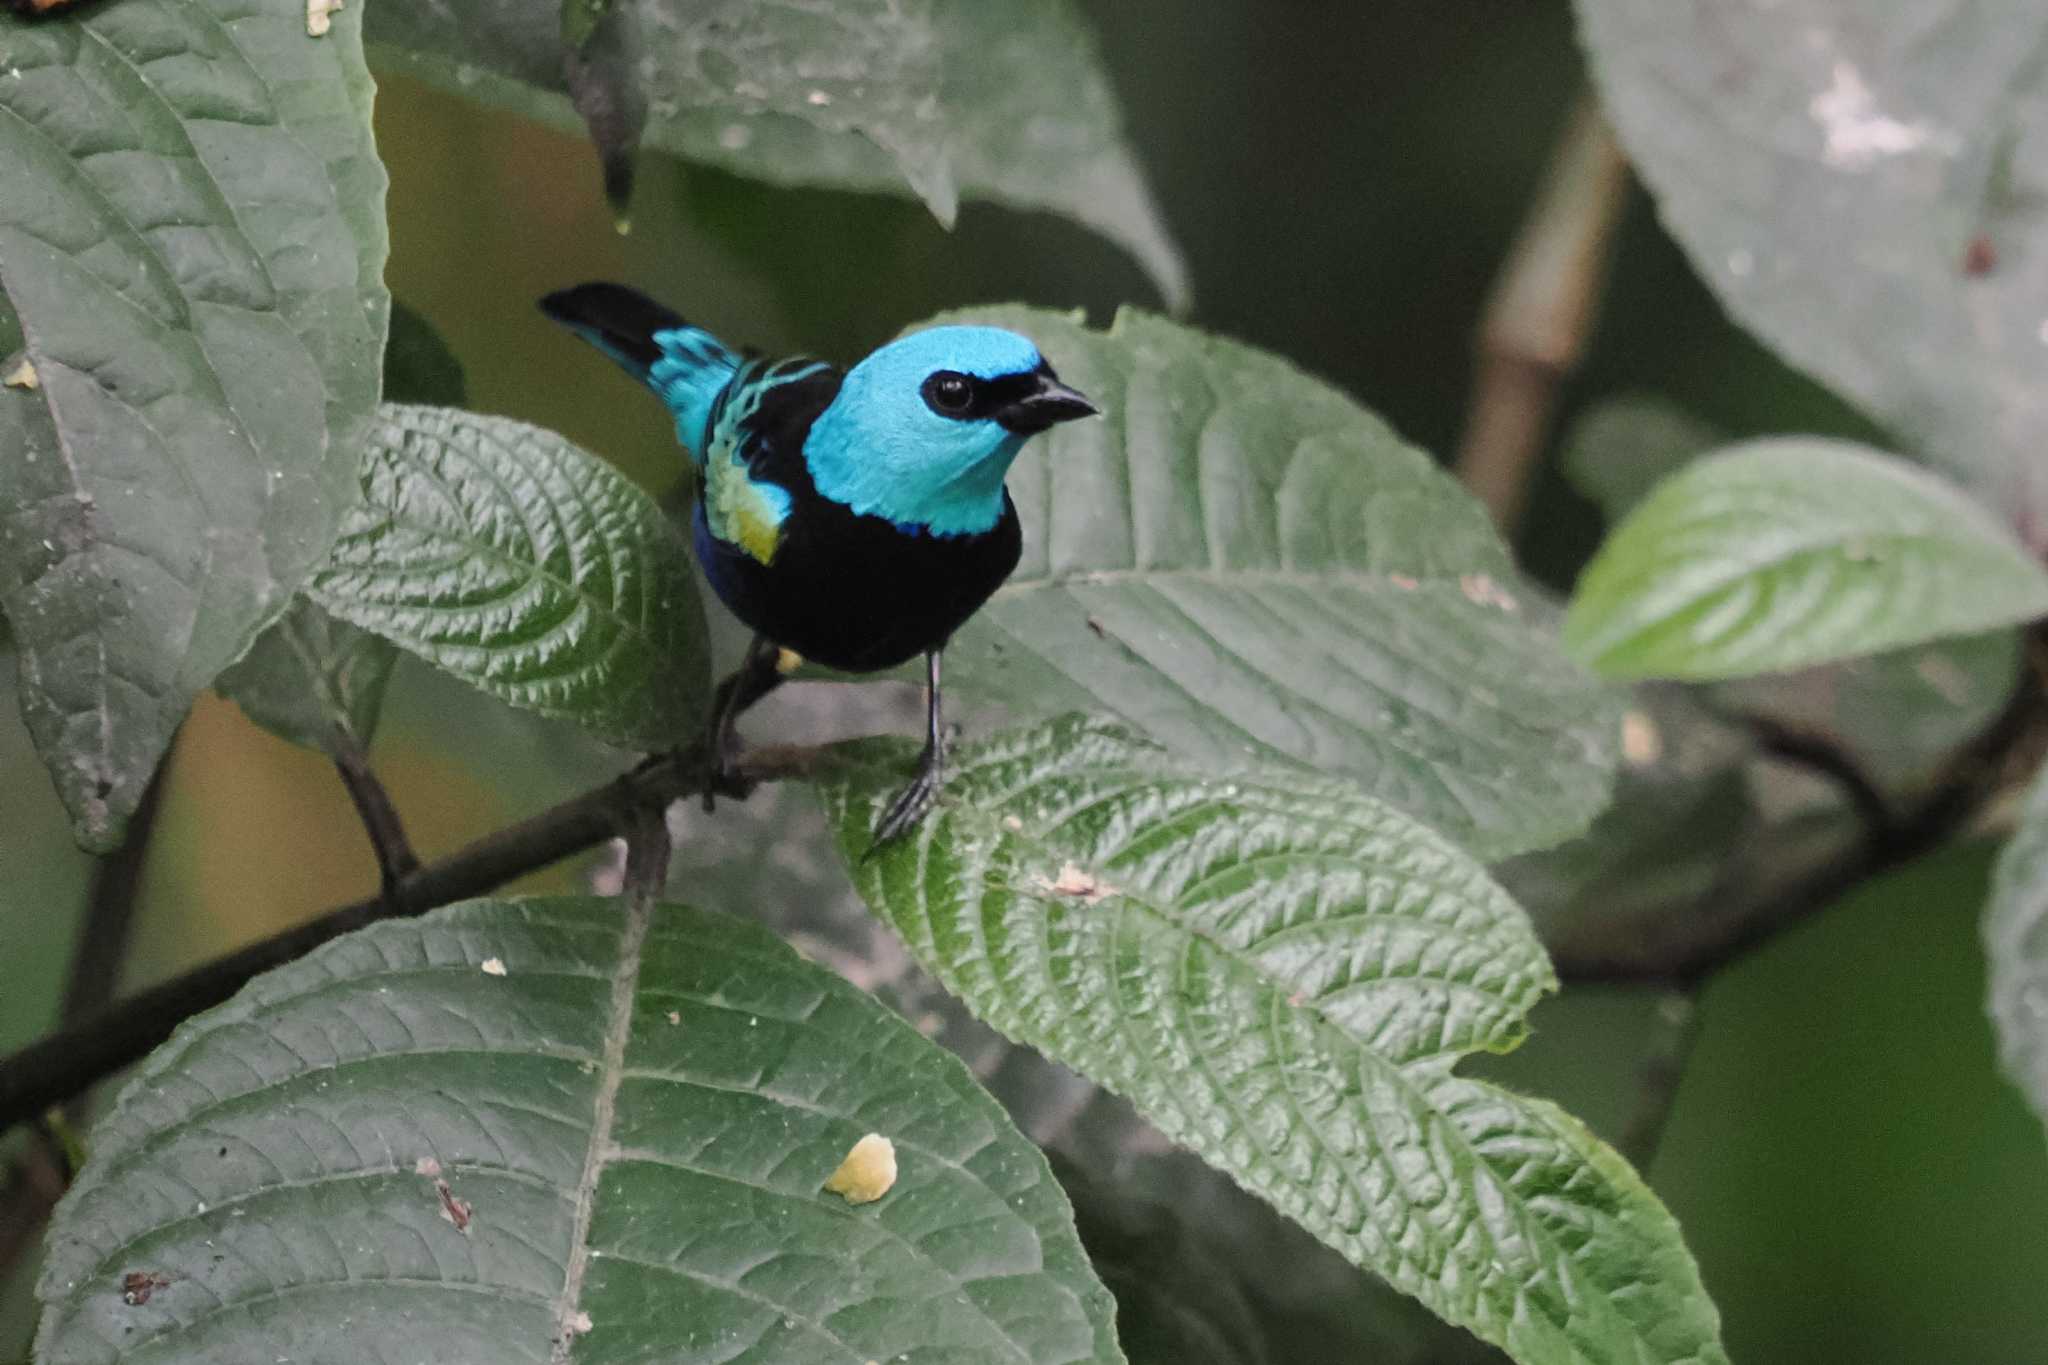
[527, 567]
[560, 1130]
[1006, 103]
[1792, 551]
[192, 237]
[2016, 944]
[1280, 973]
[1244, 563]
[1864, 183]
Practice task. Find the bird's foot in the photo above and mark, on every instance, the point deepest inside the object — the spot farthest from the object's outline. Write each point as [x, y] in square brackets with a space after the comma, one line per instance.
[722, 774]
[911, 804]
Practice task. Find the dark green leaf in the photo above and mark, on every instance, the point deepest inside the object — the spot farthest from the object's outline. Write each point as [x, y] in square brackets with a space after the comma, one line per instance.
[1781, 553]
[192, 236]
[528, 568]
[521, 1123]
[1005, 103]
[2016, 943]
[1624, 447]
[1244, 563]
[314, 680]
[1855, 180]
[419, 367]
[1280, 973]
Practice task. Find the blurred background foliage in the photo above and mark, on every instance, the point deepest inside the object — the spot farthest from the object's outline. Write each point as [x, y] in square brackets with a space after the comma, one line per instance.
[1854, 1176]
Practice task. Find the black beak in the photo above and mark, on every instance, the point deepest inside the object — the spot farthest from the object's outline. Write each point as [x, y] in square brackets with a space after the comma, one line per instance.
[1048, 404]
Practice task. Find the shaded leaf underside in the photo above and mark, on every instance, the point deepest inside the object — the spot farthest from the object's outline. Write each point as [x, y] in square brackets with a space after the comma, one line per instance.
[1246, 565]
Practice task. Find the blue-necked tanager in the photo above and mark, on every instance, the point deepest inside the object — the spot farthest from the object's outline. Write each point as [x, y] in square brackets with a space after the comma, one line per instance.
[855, 517]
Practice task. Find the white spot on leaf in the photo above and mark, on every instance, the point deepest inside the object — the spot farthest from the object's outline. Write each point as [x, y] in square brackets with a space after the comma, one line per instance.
[1641, 742]
[23, 376]
[1857, 131]
[320, 17]
[494, 966]
[1077, 882]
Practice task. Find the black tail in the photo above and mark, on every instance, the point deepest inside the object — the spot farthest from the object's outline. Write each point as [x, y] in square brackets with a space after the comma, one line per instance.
[619, 321]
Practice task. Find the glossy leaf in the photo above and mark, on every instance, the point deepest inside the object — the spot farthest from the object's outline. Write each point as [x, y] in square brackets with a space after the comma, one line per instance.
[192, 237]
[314, 680]
[1245, 564]
[1855, 180]
[1781, 553]
[560, 1129]
[946, 98]
[2016, 945]
[528, 568]
[1280, 973]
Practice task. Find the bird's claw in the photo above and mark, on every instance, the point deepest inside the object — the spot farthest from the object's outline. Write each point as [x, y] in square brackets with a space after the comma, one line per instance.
[908, 807]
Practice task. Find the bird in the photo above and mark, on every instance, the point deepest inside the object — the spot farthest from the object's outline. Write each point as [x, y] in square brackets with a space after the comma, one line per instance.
[851, 517]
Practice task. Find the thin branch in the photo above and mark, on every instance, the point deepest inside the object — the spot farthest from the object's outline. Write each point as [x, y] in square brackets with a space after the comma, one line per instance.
[52, 1070]
[1541, 313]
[395, 858]
[1675, 1029]
[1681, 949]
[1811, 751]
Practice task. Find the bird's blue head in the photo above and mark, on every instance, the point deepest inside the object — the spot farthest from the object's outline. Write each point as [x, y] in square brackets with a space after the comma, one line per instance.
[923, 431]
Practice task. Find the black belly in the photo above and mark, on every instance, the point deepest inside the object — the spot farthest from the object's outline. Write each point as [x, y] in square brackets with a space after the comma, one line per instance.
[856, 593]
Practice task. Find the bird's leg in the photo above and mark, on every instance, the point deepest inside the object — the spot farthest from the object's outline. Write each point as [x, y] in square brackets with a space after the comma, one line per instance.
[758, 675]
[913, 801]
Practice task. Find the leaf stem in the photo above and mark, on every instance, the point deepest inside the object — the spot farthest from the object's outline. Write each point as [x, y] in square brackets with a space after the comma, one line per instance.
[1541, 312]
[59, 1066]
[395, 858]
[1674, 1030]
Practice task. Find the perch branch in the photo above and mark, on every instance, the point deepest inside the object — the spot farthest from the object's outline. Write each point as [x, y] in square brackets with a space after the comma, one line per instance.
[65, 1063]
[1541, 312]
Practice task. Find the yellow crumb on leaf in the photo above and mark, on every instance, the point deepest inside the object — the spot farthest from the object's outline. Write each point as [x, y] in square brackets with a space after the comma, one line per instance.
[23, 376]
[494, 966]
[788, 661]
[868, 1171]
[320, 17]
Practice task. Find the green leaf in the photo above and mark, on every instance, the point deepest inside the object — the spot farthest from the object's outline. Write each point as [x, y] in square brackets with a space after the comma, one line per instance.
[525, 567]
[1792, 551]
[192, 238]
[419, 366]
[2016, 944]
[1280, 973]
[1244, 563]
[1006, 103]
[560, 1129]
[1867, 203]
[314, 680]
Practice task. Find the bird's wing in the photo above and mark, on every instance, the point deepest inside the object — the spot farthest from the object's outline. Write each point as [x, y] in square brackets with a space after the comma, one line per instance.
[741, 507]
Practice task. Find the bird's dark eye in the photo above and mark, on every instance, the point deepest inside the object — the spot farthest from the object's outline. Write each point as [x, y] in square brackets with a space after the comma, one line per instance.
[949, 393]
